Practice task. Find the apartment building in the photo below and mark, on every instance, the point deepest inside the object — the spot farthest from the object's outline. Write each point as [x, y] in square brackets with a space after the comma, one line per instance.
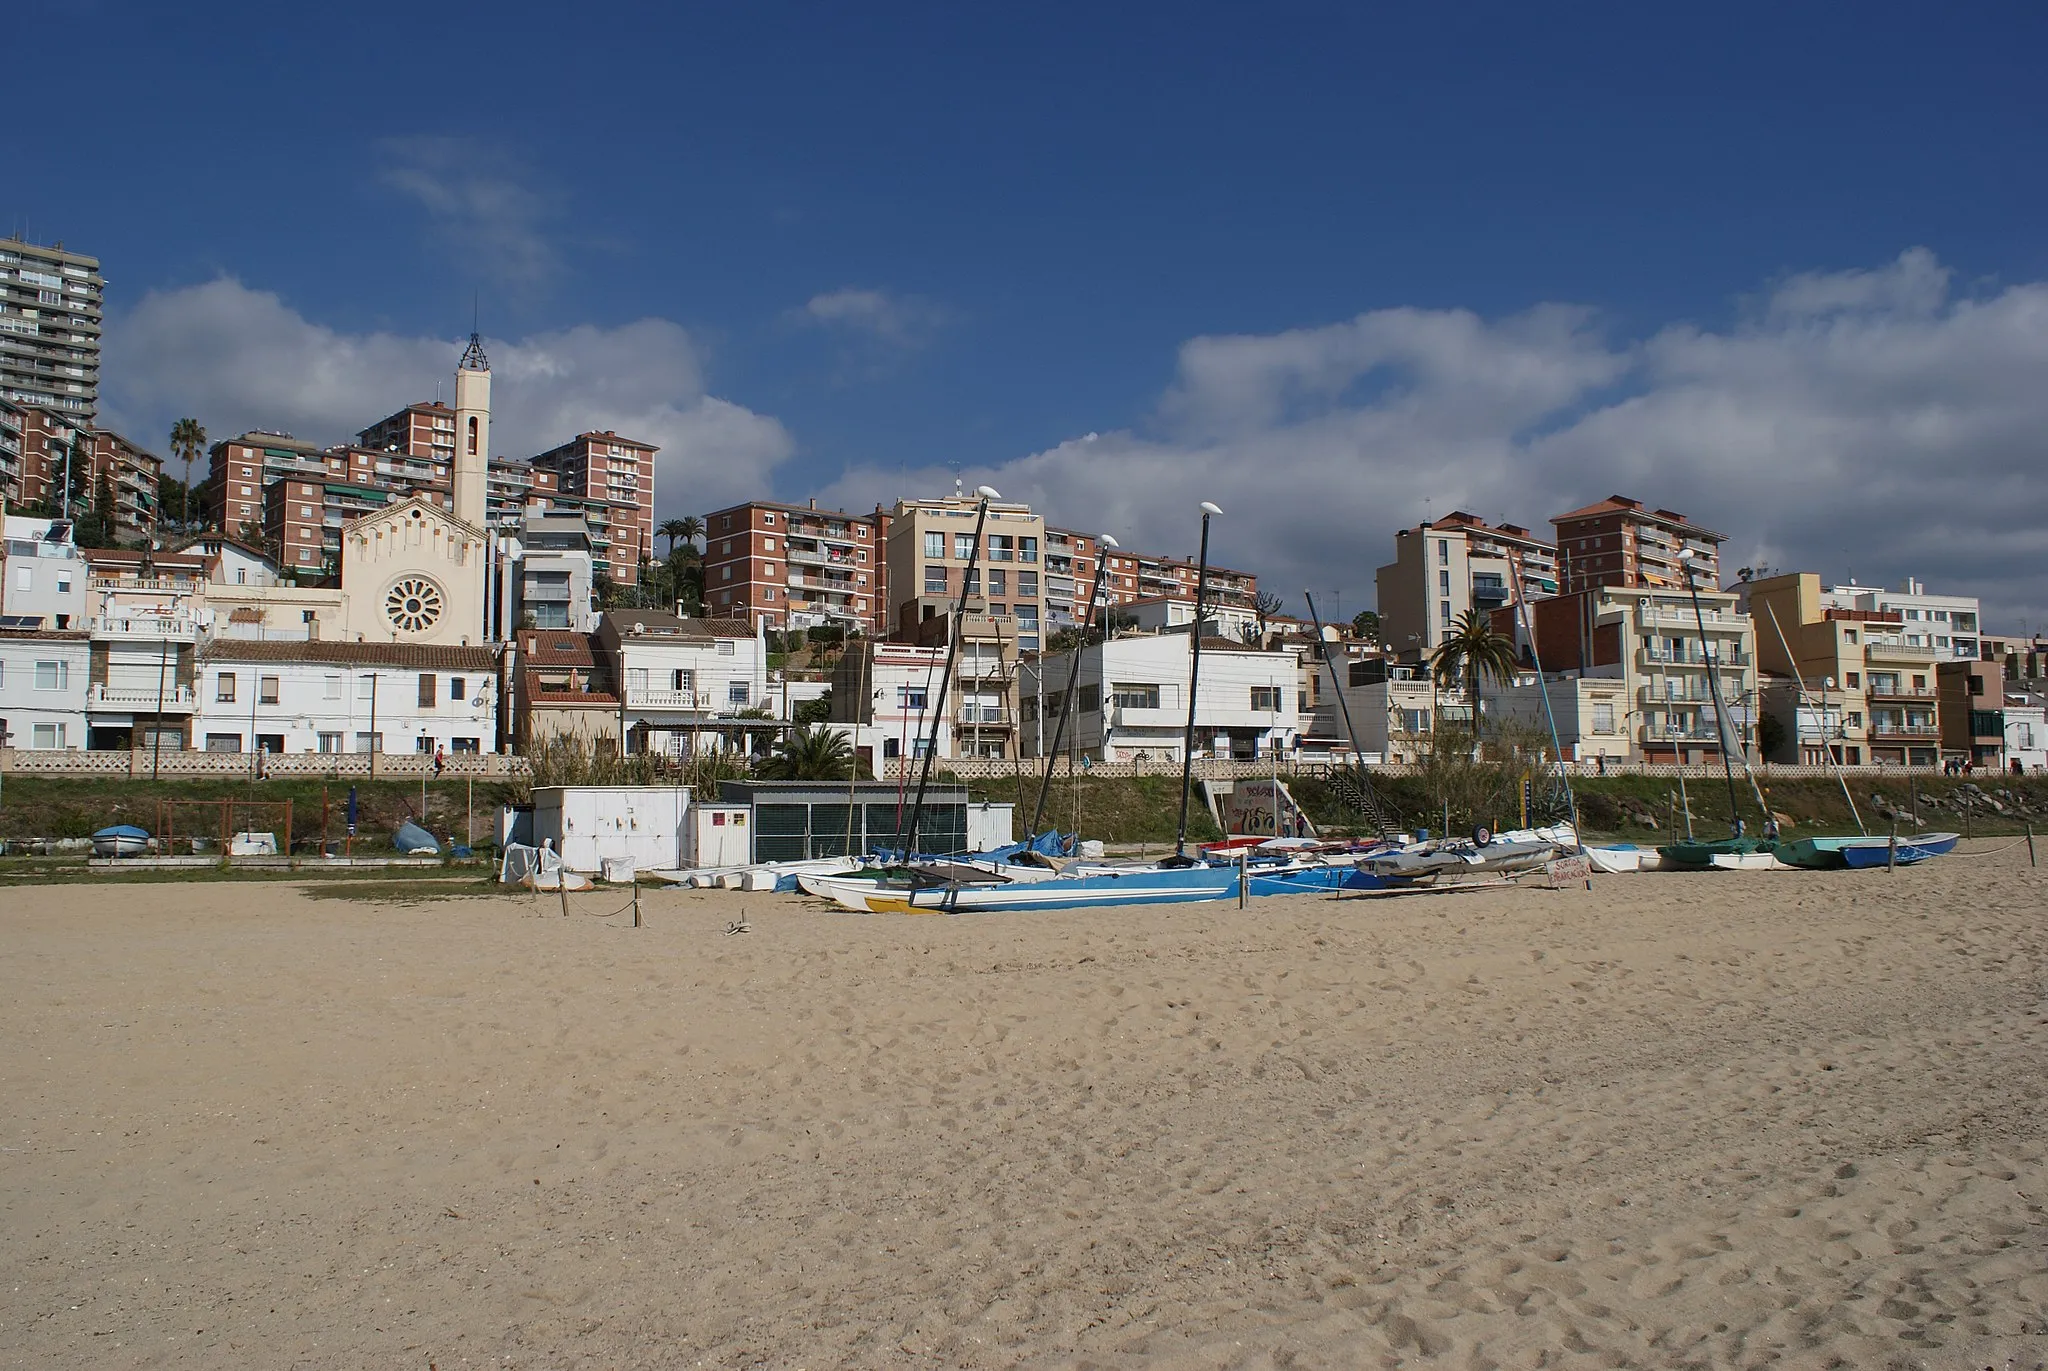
[1392, 708]
[238, 469]
[1971, 713]
[1132, 699]
[50, 313]
[1445, 568]
[930, 543]
[1164, 613]
[1070, 563]
[785, 566]
[43, 574]
[1142, 577]
[1836, 667]
[549, 581]
[1650, 641]
[613, 477]
[1950, 625]
[1621, 542]
[131, 471]
[34, 445]
[422, 430]
[512, 489]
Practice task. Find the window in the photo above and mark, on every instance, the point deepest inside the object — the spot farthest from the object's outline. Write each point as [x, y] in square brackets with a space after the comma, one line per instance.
[53, 675]
[223, 742]
[768, 545]
[1444, 610]
[1603, 718]
[725, 547]
[63, 583]
[1266, 698]
[1443, 552]
[726, 648]
[909, 698]
[427, 690]
[768, 592]
[266, 690]
[998, 579]
[934, 545]
[999, 548]
[890, 748]
[963, 546]
[934, 580]
[1130, 696]
[1027, 618]
[736, 693]
[224, 693]
[1443, 583]
[1027, 583]
[369, 742]
[458, 688]
[423, 744]
[47, 736]
[1027, 549]
[330, 742]
[1855, 679]
[366, 686]
[768, 519]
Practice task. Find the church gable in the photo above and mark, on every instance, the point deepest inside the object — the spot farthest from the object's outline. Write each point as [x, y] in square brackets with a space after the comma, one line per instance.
[412, 573]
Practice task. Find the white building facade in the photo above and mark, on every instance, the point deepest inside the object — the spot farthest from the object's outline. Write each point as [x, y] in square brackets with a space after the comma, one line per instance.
[43, 679]
[292, 697]
[1131, 703]
[687, 682]
[42, 575]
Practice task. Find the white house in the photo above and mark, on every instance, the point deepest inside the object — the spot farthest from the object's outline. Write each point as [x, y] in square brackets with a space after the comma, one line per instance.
[1155, 613]
[1132, 700]
[1590, 711]
[345, 697]
[685, 680]
[43, 677]
[547, 573]
[1393, 709]
[2026, 730]
[883, 695]
[42, 574]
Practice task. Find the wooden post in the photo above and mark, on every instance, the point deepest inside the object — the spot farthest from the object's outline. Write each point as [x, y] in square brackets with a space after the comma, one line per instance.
[1891, 848]
[2030, 843]
[636, 899]
[1244, 870]
[562, 888]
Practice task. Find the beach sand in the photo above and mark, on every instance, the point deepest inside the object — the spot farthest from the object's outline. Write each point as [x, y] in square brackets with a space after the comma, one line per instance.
[1728, 1119]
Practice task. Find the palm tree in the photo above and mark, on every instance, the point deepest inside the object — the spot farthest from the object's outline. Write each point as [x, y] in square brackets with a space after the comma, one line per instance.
[1474, 653]
[692, 530]
[673, 530]
[188, 440]
[812, 754]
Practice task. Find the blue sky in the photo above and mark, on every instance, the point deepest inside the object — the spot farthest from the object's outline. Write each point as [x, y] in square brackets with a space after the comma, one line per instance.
[833, 250]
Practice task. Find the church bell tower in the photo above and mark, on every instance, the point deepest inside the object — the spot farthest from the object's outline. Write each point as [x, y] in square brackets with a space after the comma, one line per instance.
[472, 433]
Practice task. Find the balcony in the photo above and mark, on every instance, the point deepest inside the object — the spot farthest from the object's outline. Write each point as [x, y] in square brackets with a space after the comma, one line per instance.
[983, 716]
[153, 628]
[1899, 652]
[1656, 656]
[684, 701]
[1899, 692]
[1697, 695]
[176, 699]
[1654, 734]
[1880, 730]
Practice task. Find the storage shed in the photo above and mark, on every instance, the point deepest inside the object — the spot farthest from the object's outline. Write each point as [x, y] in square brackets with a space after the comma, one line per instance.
[643, 824]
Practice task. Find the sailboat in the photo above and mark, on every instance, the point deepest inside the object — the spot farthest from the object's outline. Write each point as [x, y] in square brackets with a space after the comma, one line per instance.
[1825, 854]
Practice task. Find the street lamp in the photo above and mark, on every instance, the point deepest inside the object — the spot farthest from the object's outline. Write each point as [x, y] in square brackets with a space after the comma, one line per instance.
[984, 494]
[1187, 747]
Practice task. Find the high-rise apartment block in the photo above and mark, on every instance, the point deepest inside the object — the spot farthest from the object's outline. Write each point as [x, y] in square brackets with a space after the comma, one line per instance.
[930, 545]
[50, 305]
[1451, 565]
[787, 566]
[611, 480]
[131, 474]
[1619, 542]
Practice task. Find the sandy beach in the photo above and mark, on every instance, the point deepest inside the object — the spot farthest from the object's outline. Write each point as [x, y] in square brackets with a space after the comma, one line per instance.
[1722, 1120]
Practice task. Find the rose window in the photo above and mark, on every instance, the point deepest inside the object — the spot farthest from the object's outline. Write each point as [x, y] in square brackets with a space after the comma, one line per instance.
[413, 605]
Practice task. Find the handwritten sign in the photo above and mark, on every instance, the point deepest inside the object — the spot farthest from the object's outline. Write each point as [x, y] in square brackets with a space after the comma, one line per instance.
[1564, 871]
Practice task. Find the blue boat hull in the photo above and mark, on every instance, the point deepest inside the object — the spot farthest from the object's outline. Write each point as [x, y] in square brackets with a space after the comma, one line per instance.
[1872, 852]
[1183, 886]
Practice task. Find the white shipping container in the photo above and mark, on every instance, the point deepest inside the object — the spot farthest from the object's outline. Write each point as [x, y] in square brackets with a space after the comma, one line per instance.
[719, 835]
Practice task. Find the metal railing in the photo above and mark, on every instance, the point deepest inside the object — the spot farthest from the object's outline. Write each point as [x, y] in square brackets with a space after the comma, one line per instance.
[101, 696]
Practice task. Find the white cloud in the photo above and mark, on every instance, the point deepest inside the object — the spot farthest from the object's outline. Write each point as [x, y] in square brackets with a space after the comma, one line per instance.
[1864, 421]
[484, 207]
[897, 322]
[236, 358]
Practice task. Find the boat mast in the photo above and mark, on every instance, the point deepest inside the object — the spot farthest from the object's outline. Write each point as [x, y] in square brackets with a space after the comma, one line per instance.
[953, 632]
[1714, 691]
[1059, 730]
[1799, 680]
[1187, 746]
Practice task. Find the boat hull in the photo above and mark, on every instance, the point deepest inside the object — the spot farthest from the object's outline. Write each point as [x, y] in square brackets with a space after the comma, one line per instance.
[1183, 886]
[1865, 853]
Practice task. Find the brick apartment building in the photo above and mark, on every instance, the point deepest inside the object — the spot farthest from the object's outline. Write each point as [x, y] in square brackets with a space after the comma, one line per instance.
[50, 313]
[33, 445]
[1620, 542]
[132, 472]
[791, 566]
[611, 480]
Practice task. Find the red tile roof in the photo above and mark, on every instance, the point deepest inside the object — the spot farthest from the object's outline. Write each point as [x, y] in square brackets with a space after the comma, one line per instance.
[419, 655]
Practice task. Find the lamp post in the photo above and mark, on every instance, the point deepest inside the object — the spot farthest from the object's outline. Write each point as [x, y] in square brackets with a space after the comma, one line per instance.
[1187, 748]
[1714, 691]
